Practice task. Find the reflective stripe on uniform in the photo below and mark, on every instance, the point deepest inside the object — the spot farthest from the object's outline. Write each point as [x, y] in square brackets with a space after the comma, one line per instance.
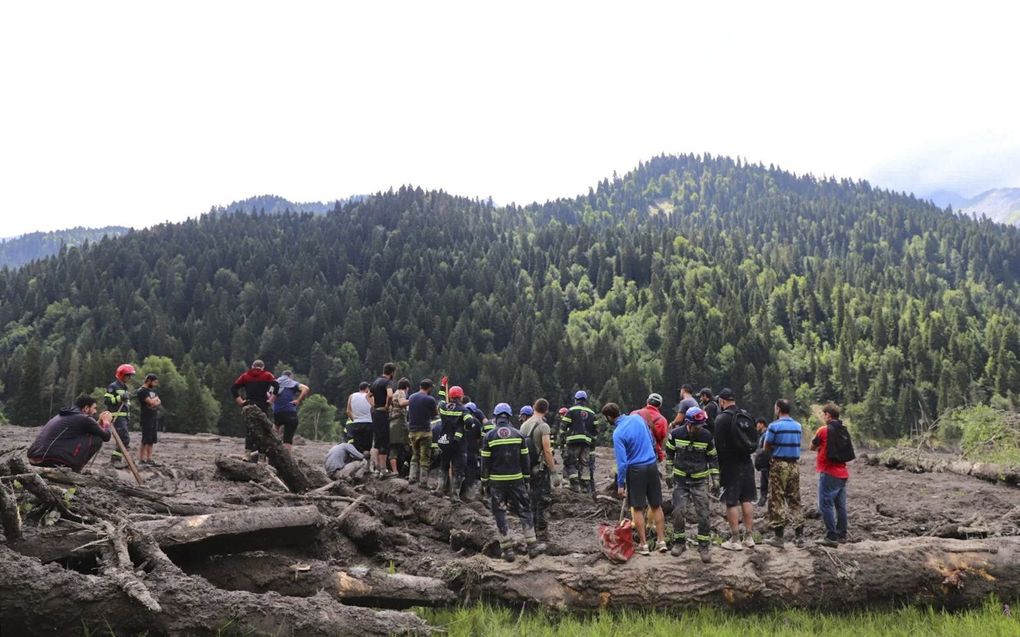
[499, 478]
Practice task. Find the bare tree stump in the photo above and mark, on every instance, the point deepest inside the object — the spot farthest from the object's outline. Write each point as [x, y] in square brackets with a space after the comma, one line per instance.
[286, 466]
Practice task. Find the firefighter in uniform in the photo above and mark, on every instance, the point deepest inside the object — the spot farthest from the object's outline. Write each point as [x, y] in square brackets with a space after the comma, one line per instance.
[474, 429]
[578, 435]
[505, 462]
[455, 419]
[692, 459]
[118, 401]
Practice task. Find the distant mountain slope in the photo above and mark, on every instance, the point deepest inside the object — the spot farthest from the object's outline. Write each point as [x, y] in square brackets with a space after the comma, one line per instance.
[18, 251]
[1001, 205]
[274, 205]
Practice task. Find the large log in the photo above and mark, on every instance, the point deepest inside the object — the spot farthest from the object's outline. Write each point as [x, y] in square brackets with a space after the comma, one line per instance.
[237, 530]
[917, 461]
[49, 600]
[153, 500]
[261, 429]
[923, 571]
[261, 572]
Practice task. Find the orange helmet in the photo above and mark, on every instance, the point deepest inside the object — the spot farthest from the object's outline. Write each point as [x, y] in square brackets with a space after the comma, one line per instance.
[455, 392]
[125, 370]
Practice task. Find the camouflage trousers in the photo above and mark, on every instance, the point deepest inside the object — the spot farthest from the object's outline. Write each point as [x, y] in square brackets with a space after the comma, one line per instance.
[421, 448]
[784, 495]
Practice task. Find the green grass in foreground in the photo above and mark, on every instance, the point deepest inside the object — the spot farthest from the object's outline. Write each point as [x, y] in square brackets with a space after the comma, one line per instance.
[988, 621]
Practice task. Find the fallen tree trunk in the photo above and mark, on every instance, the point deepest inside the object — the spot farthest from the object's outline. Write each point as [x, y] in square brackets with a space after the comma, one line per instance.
[921, 571]
[234, 530]
[155, 500]
[261, 429]
[48, 600]
[260, 572]
[916, 461]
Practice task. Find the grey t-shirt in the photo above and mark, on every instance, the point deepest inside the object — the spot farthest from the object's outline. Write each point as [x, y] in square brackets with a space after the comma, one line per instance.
[684, 405]
[340, 455]
[536, 427]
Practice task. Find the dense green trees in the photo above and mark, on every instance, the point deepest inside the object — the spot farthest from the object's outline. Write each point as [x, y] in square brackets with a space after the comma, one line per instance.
[688, 269]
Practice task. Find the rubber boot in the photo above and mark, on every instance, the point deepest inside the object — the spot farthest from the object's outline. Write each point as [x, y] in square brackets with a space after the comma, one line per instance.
[412, 474]
[778, 540]
[443, 484]
[575, 485]
[798, 536]
[433, 480]
[458, 482]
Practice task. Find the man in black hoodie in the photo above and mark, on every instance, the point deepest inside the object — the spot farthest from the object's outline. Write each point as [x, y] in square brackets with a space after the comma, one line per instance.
[71, 438]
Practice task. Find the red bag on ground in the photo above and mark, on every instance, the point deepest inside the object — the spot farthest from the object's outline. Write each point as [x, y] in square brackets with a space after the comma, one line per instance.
[617, 540]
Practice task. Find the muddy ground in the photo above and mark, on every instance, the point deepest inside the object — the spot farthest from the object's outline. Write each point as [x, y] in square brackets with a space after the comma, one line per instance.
[884, 504]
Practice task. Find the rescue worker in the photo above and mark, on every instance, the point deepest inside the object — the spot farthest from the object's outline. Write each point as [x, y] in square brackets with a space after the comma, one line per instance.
[118, 401]
[435, 459]
[454, 419]
[505, 462]
[258, 385]
[526, 412]
[692, 459]
[578, 437]
[473, 431]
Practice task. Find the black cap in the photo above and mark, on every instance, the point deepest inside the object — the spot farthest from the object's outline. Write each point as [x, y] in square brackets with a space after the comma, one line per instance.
[727, 394]
[151, 377]
[705, 391]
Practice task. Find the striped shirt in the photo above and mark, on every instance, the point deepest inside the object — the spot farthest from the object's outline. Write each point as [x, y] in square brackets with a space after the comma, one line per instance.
[784, 437]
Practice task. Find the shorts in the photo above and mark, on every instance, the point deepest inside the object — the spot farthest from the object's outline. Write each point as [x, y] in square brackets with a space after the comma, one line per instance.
[737, 481]
[149, 432]
[289, 421]
[643, 486]
[361, 436]
[381, 431]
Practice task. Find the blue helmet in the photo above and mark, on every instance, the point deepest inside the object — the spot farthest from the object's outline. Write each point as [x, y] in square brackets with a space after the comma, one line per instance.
[581, 395]
[471, 407]
[503, 409]
[527, 411]
[696, 415]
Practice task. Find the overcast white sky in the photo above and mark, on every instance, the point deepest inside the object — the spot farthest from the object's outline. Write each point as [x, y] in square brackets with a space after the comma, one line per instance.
[132, 112]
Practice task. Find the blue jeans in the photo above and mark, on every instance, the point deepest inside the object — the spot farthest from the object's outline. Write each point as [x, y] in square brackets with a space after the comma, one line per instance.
[832, 495]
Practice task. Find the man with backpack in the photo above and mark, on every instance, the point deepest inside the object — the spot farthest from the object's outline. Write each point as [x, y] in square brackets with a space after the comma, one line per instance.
[835, 449]
[656, 422]
[736, 440]
[539, 436]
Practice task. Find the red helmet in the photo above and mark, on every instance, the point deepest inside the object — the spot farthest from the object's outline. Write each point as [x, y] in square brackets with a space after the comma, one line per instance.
[563, 411]
[125, 370]
[455, 392]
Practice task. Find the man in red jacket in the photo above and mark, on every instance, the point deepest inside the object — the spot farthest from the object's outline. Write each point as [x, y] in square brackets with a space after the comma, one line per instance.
[258, 385]
[657, 423]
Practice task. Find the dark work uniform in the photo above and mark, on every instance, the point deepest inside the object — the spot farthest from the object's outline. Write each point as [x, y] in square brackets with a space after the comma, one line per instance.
[692, 457]
[472, 448]
[118, 402]
[147, 416]
[579, 436]
[505, 462]
[454, 419]
[380, 415]
[257, 385]
[437, 431]
[69, 439]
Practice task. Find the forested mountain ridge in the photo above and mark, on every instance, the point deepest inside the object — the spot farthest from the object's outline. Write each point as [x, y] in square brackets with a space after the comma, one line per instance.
[17, 251]
[689, 268]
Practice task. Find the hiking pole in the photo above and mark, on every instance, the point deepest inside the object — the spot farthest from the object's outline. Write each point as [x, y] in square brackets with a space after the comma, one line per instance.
[127, 456]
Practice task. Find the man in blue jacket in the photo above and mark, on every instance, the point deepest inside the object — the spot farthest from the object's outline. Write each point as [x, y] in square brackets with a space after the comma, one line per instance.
[637, 473]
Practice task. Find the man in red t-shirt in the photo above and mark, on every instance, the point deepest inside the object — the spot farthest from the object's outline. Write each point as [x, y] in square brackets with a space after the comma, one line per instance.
[657, 424]
[832, 478]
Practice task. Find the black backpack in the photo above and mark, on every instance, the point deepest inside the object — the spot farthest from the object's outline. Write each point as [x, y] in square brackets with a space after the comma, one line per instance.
[838, 446]
[744, 435]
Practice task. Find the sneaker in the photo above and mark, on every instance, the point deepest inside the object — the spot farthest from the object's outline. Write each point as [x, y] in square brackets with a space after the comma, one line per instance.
[661, 547]
[732, 545]
[749, 541]
[843, 539]
[829, 542]
[644, 550]
[703, 553]
[678, 548]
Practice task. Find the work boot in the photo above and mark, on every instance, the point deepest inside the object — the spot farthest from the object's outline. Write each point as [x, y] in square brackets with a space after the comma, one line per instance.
[679, 546]
[798, 536]
[458, 482]
[703, 553]
[828, 541]
[778, 540]
[762, 500]
[443, 485]
[412, 474]
[432, 482]
[575, 485]
[535, 549]
[508, 554]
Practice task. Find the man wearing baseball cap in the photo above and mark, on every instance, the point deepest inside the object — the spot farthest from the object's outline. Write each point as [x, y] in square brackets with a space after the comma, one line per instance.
[656, 422]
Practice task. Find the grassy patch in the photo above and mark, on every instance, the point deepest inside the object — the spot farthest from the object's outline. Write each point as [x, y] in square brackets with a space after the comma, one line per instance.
[987, 621]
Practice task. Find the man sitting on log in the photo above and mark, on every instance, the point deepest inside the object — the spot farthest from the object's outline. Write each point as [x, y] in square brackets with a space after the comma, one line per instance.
[505, 462]
[71, 438]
